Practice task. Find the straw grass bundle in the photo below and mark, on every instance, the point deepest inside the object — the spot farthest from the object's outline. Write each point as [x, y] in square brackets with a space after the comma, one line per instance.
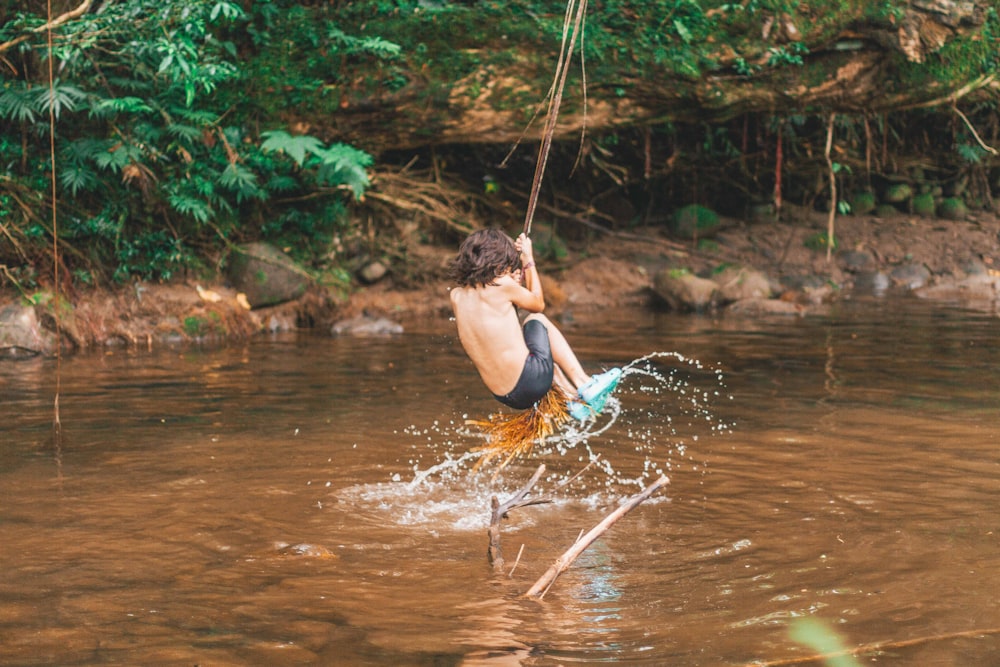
[510, 436]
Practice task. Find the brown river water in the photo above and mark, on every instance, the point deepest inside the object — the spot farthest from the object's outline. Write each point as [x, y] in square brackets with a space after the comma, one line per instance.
[309, 500]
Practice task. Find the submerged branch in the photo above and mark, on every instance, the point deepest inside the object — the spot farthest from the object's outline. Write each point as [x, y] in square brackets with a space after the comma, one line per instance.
[499, 512]
[563, 562]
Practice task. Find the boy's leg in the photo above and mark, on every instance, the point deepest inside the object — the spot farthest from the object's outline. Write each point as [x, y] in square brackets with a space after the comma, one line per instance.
[568, 370]
[559, 378]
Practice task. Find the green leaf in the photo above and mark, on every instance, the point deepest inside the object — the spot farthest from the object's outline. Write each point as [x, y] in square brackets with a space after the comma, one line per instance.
[351, 45]
[16, 104]
[282, 183]
[345, 165]
[229, 10]
[294, 147]
[129, 105]
[117, 157]
[682, 31]
[76, 177]
[182, 131]
[165, 64]
[195, 208]
[57, 98]
[242, 181]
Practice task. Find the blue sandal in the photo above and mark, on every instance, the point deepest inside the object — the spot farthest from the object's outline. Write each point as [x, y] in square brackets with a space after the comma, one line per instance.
[594, 394]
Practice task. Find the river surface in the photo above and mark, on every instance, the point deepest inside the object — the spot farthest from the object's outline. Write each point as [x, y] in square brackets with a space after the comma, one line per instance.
[310, 500]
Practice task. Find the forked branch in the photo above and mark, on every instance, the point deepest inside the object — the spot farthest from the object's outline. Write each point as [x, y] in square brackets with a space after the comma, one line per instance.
[494, 553]
[564, 561]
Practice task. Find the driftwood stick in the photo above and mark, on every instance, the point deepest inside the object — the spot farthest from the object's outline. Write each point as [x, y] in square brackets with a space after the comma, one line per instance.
[516, 561]
[499, 511]
[564, 561]
[572, 479]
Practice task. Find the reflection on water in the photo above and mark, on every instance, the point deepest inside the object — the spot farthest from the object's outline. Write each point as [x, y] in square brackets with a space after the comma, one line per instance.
[310, 500]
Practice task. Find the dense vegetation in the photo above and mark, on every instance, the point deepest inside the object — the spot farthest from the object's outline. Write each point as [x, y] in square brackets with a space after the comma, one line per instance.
[180, 127]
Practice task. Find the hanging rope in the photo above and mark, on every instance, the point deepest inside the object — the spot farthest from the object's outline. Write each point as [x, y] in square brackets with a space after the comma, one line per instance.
[56, 305]
[558, 84]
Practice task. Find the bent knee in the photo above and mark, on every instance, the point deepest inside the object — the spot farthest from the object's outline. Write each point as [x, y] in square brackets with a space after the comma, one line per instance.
[540, 317]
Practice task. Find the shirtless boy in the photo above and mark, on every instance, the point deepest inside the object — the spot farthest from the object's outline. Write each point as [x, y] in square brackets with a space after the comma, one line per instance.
[519, 364]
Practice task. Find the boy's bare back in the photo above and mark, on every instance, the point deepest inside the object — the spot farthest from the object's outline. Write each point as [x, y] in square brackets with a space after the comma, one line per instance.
[490, 331]
[486, 308]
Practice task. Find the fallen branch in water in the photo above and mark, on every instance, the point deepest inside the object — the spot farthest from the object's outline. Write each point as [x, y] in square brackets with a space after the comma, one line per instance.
[494, 552]
[563, 562]
[499, 512]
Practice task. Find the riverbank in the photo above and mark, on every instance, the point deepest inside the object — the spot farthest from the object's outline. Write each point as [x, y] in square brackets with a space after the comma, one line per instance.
[900, 256]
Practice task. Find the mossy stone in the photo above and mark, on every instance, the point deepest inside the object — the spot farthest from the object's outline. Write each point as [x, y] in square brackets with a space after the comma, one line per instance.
[897, 193]
[266, 275]
[885, 211]
[863, 203]
[923, 204]
[694, 221]
[952, 208]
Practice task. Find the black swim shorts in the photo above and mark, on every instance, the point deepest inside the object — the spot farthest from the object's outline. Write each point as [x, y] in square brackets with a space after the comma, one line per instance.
[536, 378]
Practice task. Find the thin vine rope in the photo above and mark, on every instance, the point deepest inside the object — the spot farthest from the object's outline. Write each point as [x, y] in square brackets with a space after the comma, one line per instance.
[56, 421]
[559, 83]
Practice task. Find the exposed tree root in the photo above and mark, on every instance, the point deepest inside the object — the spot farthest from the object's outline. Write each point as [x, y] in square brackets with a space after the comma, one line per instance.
[420, 193]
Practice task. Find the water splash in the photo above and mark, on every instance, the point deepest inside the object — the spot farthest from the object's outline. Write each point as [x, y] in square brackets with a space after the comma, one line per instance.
[664, 404]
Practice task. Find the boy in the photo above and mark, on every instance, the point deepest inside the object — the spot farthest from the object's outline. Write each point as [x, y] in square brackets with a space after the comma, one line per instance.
[518, 364]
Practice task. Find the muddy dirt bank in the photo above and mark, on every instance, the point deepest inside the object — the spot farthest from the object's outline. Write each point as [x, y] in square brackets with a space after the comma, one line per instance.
[902, 256]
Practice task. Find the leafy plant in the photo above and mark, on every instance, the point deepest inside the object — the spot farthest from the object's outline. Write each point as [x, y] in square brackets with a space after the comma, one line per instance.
[787, 55]
[154, 157]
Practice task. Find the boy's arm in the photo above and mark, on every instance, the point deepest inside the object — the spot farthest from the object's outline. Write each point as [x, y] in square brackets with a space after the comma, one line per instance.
[529, 297]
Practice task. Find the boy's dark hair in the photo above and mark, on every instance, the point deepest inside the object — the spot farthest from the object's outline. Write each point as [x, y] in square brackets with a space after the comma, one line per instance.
[483, 256]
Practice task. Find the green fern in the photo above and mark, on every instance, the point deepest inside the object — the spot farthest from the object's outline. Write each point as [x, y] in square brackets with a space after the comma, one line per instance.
[242, 181]
[345, 165]
[190, 206]
[294, 147]
[109, 107]
[77, 159]
[970, 153]
[117, 156]
[198, 117]
[16, 103]
[350, 45]
[57, 98]
[281, 183]
[76, 177]
[187, 133]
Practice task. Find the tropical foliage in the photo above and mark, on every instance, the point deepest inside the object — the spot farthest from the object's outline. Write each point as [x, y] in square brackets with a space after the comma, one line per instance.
[160, 158]
[179, 127]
